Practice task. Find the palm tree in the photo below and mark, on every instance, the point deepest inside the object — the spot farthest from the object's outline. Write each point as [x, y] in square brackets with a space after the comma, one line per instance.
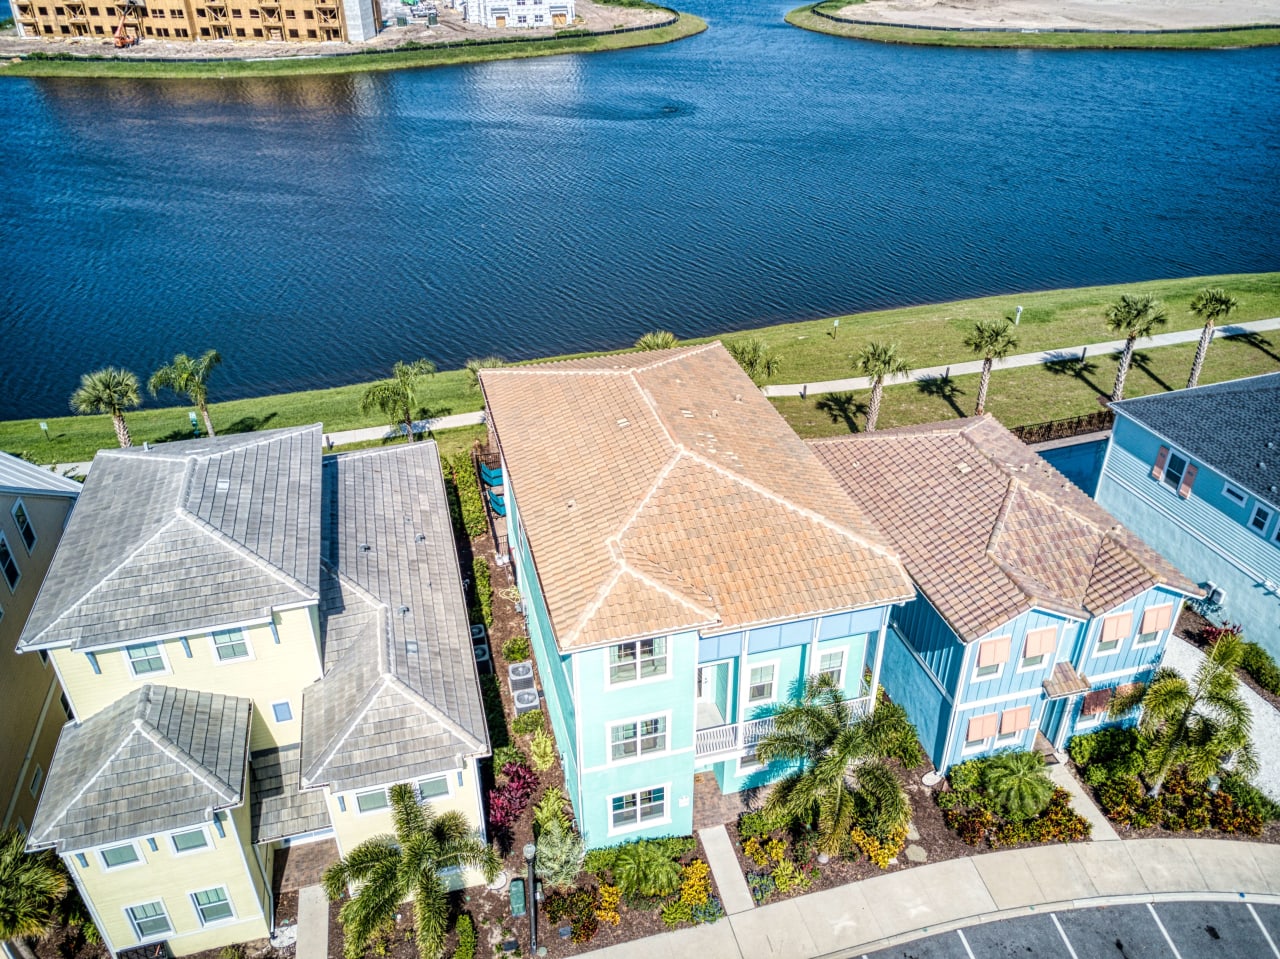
[185, 375]
[992, 340]
[1211, 304]
[1136, 317]
[1019, 783]
[755, 358]
[843, 778]
[31, 887]
[395, 397]
[111, 391]
[473, 368]
[879, 360]
[657, 340]
[1201, 724]
[388, 870]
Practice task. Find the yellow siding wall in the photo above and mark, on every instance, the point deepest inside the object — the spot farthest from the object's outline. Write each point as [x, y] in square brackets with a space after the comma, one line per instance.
[172, 880]
[26, 683]
[274, 673]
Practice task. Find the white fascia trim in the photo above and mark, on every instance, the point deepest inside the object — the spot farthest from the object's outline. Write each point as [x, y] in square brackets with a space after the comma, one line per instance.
[1036, 693]
[651, 757]
[180, 634]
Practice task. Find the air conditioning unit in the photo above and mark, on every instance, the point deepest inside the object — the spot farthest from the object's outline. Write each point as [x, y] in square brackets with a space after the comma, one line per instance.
[1214, 593]
[526, 701]
[520, 677]
[478, 633]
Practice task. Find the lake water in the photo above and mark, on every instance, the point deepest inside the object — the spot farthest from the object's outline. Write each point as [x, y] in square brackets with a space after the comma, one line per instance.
[315, 230]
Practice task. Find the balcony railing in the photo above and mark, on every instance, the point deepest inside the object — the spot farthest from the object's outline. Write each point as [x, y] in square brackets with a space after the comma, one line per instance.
[741, 738]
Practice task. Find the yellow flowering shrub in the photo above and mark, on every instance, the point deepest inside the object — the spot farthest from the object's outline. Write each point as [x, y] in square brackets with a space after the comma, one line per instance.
[878, 851]
[607, 908]
[695, 883]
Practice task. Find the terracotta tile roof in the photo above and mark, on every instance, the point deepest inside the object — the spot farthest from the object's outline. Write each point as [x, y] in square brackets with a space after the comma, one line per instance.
[989, 530]
[661, 491]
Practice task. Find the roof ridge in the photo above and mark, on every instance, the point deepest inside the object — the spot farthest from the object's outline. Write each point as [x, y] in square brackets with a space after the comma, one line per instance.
[332, 746]
[662, 587]
[184, 758]
[222, 539]
[557, 366]
[432, 710]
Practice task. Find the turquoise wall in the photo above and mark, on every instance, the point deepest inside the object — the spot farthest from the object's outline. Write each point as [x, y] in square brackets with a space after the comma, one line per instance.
[913, 687]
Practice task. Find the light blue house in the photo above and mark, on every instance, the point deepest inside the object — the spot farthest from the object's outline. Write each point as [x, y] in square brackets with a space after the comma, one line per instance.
[1196, 473]
[1033, 605]
[684, 563]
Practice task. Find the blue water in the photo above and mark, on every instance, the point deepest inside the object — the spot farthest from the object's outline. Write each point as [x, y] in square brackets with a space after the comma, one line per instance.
[1081, 463]
[315, 230]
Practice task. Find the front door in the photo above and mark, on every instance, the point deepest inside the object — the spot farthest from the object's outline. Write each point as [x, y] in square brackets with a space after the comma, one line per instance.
[707, 684]
[502, 22]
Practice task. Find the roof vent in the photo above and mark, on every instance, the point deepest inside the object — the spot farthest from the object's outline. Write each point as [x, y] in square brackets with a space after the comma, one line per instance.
[737, 398]
[570, 504]
[420, 538]
[686, 413]
[222, 485]
[715, 412]
[623, 422]
[410, 646]
[403, 610]
[964, 468]
[365, 548]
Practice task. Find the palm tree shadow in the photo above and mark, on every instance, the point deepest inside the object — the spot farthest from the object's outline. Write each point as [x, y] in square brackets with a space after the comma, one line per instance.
[842, 407]
[1065, 364]
[247, 424]
[1142, 361]
[1260, 343]
[943, 388]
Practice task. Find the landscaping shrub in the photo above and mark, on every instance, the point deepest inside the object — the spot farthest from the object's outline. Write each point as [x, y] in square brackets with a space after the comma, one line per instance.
[551, 809]
[1057, 823]
[695, 904]
[529, 722]
[978, 813]
[610, 902]
[761, 823]
[1019, 782]
[765, 853]
[579, 907]
[1250, 797]
[762, 885]
[510, 753]
[466, 938]
[509, 800]
[467, 487]
[643, 869]
[1108, 754]
[482, 589]
[600, 862]
[1182, 805]
[516, 649]
[560, 854]
[880, 851]
[543, 750]
[788, 876]
[1257, 662]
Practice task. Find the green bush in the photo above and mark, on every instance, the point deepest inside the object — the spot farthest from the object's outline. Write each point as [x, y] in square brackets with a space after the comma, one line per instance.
[560, 853]
[529, 722]
[551, 809]
[482, 591]
[967, 776]
[1257, 662]
[600, 862]
[757, 824]
[642, 869]
[1249, 797]
[470, 503]
[516, 649]
[509, 753]
[1111, 753]
[543, 750]
[466, 938]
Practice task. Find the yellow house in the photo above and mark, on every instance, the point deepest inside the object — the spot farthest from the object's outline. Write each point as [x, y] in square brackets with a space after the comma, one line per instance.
[34, 505]
[256, 643]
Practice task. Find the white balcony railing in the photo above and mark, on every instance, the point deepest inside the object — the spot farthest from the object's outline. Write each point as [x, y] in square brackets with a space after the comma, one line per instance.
[741, 738]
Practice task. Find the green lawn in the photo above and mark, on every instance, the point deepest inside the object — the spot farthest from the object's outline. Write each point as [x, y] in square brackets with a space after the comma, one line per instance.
[804, 18]
[120, 68]
[1032, 394]
[928, 336]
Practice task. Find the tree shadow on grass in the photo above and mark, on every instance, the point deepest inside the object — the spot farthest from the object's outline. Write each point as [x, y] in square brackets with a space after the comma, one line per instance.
[1070, 364]
[1258, 342]
[248, 424]
[842, 408]
[1142, 361]
[944, 388]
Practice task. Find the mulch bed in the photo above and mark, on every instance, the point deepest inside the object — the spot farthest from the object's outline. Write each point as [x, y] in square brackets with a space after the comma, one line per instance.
[1192, 626]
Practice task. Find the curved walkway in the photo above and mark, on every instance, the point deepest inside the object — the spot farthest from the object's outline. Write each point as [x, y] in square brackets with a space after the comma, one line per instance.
[861, 917]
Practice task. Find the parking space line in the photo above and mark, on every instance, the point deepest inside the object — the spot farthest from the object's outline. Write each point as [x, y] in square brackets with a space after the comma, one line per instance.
[1164, 932]
[1270, 942]
[1063, 933]
[965, 943]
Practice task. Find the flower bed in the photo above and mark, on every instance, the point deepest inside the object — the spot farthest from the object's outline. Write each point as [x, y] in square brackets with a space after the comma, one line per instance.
[985, 810]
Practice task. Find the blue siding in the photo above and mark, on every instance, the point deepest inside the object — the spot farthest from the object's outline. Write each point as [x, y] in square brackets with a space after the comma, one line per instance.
[1128, 657]
[932, 638]
[909, 685]
[1011, 679]
[1037, 702]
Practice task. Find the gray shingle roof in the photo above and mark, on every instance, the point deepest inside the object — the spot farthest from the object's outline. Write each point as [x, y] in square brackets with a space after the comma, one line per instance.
[230, 521]
[160, 758]
[277, 808]
[19, 476]
[1234, 427]
[401, 696]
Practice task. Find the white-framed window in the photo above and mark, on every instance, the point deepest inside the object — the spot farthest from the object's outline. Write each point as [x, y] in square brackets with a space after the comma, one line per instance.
[747, 765]
[1237, 496]
[145, 659]
[1038, 647]
[117, 857]
[213, 905]
[639, 737]
[635, 809]
[1087, 720]
[192, 840]
[434, 788]
[1174, 468]
[1115, 630]
[642, 659]
[149, 920]
[25, 529]
[762, 683]
[372, 801]
[230, 645]
[283, 712]
[831, 664]
[36, 779]
[980, 732]
[1258, 519]
[1014, 724]
[9, 565]
[992, 656]
[1155, 621]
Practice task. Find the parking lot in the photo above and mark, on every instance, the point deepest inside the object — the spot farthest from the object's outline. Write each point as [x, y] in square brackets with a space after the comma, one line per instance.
[1168, 930]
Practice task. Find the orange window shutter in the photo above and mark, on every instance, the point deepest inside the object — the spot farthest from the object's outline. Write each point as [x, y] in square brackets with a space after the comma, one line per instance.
[1040, 642]
[1015, 720]
[1189, 477]
[974, 732]
[1156, 619]
[1161, 457]
[992, 723]
[994, 651]
[1116, 627]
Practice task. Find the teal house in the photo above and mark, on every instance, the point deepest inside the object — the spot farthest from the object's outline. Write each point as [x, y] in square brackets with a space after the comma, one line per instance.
[1196, 473]
[684, 563]
[1033, 605]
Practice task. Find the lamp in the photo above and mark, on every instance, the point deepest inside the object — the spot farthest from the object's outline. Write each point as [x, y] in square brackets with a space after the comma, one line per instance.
[530, 854]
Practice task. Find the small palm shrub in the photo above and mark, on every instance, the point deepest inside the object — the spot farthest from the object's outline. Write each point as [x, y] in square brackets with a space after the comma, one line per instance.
[643, 869]
[890, 734]
[881, 805]
[657, 340]
[561, 852]
[1019, 783]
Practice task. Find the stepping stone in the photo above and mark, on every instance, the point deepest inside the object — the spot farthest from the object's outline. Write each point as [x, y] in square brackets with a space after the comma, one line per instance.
[931, 779]
[913, 834]
[916, 853]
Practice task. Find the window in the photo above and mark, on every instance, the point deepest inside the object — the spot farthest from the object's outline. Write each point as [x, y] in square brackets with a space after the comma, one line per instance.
[149, 921]
[8, 565]
[1236, 496]
[1038, 646]
[230, 644]
[25, 529]
[637, 808]
[980, 731]
[522, 18]
[36, 779]
[189, 841]
[283, 712]
[116, 856]
[433, 788]
[212, 905]
[760, 689]
[146, 658]
[1154, 621]
[832, 664]
[1014, 724]
[1115, 630]
[372, 801]
[1257, 522]
[640, 660]
[1173, 470]
[992, 655]
[628, 740]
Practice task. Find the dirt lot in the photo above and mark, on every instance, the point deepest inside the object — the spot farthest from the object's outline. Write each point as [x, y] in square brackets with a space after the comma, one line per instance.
[1081, 14]
[591, 16]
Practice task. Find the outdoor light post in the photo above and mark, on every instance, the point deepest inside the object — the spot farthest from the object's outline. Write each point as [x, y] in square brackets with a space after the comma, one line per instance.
[530, 853]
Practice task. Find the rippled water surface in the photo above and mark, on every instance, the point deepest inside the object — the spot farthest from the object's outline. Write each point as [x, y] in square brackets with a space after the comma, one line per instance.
[315, 230]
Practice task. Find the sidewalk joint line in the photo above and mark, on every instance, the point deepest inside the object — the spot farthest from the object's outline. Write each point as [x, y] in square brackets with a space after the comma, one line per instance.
[960, 933]
[1063, 933]
[1270, 942]
[1164, 932]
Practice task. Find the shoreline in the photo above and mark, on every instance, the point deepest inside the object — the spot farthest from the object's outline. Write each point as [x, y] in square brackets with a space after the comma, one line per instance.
[406, 56]
[827, 21]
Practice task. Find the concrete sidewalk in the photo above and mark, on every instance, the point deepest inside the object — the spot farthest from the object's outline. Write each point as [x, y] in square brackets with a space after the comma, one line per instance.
[898, 906]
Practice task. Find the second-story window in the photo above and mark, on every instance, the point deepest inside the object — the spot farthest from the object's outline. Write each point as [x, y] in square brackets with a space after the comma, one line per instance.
[832, 664]
[760, 689]
[1257, 522]
[644, 659]
[25, 529]
[1154, 621]
[628, 740]
[113, 857]
[1115, 630]
[1173, 470]
[1038, 647]
[145, 658]
[230, 644]
[8, 565]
